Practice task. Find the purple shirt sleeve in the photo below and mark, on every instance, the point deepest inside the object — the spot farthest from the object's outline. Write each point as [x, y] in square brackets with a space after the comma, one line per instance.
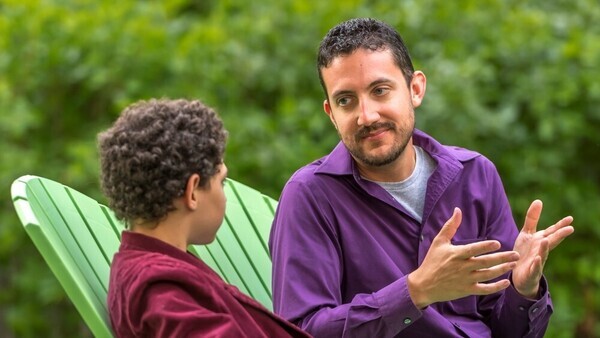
[527, 318]
[383, 313]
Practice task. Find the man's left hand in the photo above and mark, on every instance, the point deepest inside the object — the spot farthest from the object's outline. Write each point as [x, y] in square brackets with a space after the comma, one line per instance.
[534, 247]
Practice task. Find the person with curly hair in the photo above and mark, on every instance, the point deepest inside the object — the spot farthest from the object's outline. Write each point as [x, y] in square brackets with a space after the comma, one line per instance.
[162, 171]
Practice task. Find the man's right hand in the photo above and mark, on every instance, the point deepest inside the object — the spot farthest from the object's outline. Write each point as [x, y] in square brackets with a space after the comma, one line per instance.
[450, 272]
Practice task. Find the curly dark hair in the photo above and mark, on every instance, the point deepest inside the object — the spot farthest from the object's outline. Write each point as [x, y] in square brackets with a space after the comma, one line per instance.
[150, 152]
[367, 33]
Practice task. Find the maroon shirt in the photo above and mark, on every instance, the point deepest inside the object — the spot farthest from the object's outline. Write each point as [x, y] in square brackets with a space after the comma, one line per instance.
[157, 290]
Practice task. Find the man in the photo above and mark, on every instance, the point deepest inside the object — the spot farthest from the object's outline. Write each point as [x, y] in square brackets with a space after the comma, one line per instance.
[162, 170]
[393, 234]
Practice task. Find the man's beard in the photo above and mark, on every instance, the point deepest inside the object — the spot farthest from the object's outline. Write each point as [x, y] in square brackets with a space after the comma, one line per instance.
[400, 142]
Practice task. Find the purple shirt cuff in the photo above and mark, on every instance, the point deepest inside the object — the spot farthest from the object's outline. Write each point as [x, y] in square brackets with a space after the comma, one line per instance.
[525, 307]
[396, 307]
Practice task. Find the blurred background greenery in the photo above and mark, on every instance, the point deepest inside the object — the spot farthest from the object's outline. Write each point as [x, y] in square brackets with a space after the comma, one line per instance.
[515, 80]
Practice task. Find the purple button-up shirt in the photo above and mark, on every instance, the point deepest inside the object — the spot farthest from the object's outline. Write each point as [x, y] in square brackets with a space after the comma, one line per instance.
[342, 247]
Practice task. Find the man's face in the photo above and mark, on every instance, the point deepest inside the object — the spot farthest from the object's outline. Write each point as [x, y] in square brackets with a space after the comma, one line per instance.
[371, 105]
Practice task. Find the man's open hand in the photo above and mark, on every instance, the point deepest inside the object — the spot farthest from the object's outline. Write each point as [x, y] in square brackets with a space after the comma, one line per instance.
[450, 272]
[533, 247]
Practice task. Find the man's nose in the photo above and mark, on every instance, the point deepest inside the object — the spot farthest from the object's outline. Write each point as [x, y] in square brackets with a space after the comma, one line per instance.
[368, 113]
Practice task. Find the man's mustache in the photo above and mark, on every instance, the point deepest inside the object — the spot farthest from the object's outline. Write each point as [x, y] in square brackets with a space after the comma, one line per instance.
[365, 131]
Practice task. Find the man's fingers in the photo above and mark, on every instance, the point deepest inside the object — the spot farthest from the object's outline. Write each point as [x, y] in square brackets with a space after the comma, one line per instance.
[556, 233]
[536, 269]
[476, 249]
[489, 288]
[557, 237]
[493, 259]
[451, 226]
[558, 225]
[544, 251]
[533, 216]
[495, 271]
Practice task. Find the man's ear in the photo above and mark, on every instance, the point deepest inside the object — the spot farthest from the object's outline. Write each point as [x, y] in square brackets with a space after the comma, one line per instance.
[190, 198]
[327, 109]
[418, 84]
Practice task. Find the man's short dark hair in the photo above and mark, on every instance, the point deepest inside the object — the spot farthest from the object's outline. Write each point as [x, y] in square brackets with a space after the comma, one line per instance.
[148, 155]
[366, 33]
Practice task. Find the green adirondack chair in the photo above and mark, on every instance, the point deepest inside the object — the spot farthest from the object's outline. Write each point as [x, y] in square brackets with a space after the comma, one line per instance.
[77, 237]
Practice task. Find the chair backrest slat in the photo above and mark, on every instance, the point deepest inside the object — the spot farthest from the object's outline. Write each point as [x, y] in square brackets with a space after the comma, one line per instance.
[49, 216]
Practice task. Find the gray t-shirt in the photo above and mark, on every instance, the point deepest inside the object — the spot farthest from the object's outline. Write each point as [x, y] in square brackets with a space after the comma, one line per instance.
[410, 193]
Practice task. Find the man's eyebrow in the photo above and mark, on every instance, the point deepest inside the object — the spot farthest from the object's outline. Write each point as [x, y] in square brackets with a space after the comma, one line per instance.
[342, 92]
[371, 85]
[379, 81]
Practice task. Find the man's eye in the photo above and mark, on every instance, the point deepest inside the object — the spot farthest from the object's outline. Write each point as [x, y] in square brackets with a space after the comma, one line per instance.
[343, 101]
[381, 91]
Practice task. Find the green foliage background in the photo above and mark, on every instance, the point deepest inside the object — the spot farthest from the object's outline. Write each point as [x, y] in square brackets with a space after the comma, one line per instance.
[515, 80]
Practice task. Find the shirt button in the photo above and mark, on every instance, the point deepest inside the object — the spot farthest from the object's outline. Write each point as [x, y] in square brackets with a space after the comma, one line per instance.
[521, 308]
[534, 310]
[407, 320]
[422, 238]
